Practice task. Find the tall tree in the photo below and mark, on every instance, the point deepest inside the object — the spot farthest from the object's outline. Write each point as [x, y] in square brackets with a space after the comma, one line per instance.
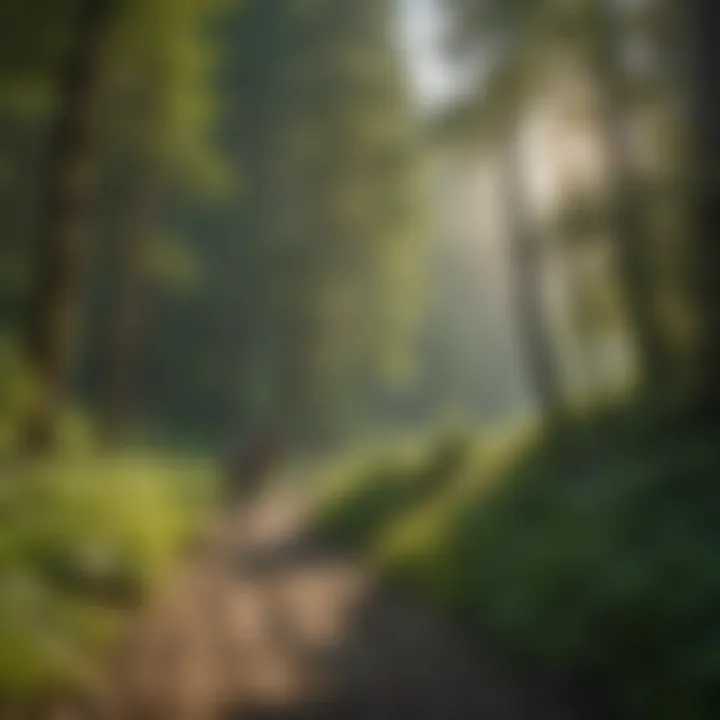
[167, 75]
[62, 246]
[703, 23]
[514, 36]
[578, 37]
[633, 249]
[525, 254]
[128, 322]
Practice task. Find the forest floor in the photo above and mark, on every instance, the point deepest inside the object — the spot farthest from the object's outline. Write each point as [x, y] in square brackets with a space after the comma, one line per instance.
[264, 621]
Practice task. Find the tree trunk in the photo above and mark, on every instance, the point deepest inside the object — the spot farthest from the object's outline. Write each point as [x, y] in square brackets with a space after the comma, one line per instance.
[703, 24]
[632, 249]
[130, 317]
[526, 268]
[62, 243]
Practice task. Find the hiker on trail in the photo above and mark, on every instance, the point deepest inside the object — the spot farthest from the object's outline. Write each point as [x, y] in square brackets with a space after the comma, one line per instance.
[251, 465]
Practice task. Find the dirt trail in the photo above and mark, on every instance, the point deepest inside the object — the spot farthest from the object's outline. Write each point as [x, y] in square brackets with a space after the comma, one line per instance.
[264, 623]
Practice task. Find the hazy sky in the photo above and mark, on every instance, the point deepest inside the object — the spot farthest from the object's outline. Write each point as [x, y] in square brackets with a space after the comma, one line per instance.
[422, 27]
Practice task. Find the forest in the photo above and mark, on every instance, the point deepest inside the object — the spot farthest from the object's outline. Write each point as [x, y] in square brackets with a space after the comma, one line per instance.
[434, 285]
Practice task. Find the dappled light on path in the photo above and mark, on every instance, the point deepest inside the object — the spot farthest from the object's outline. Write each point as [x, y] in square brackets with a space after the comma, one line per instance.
[263, 621]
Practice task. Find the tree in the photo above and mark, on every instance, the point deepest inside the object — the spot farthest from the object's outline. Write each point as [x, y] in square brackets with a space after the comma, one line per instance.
[166, 73]
[518, 32]
[62, 245]
[525, 254]
[632, 244]
[703, 25]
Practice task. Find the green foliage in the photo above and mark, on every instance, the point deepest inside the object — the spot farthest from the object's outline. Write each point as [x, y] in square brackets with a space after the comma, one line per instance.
[594, 551]
[364, 498]
[165, 77]
[33, 40]
[171, 263]
[83, 540]
[18, 400]
[17, 395]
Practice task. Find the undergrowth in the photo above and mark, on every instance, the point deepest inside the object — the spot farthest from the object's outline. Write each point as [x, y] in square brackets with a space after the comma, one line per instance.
[591, 549]
[83, 540]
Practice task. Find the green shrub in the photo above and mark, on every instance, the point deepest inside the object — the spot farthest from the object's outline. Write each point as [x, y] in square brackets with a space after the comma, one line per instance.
[597, 550]
[369, 494]
[82, 541]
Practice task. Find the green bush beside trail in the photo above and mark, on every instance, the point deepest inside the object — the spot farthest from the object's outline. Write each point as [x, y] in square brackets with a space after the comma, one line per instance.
[593, 549]
[83, 540]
